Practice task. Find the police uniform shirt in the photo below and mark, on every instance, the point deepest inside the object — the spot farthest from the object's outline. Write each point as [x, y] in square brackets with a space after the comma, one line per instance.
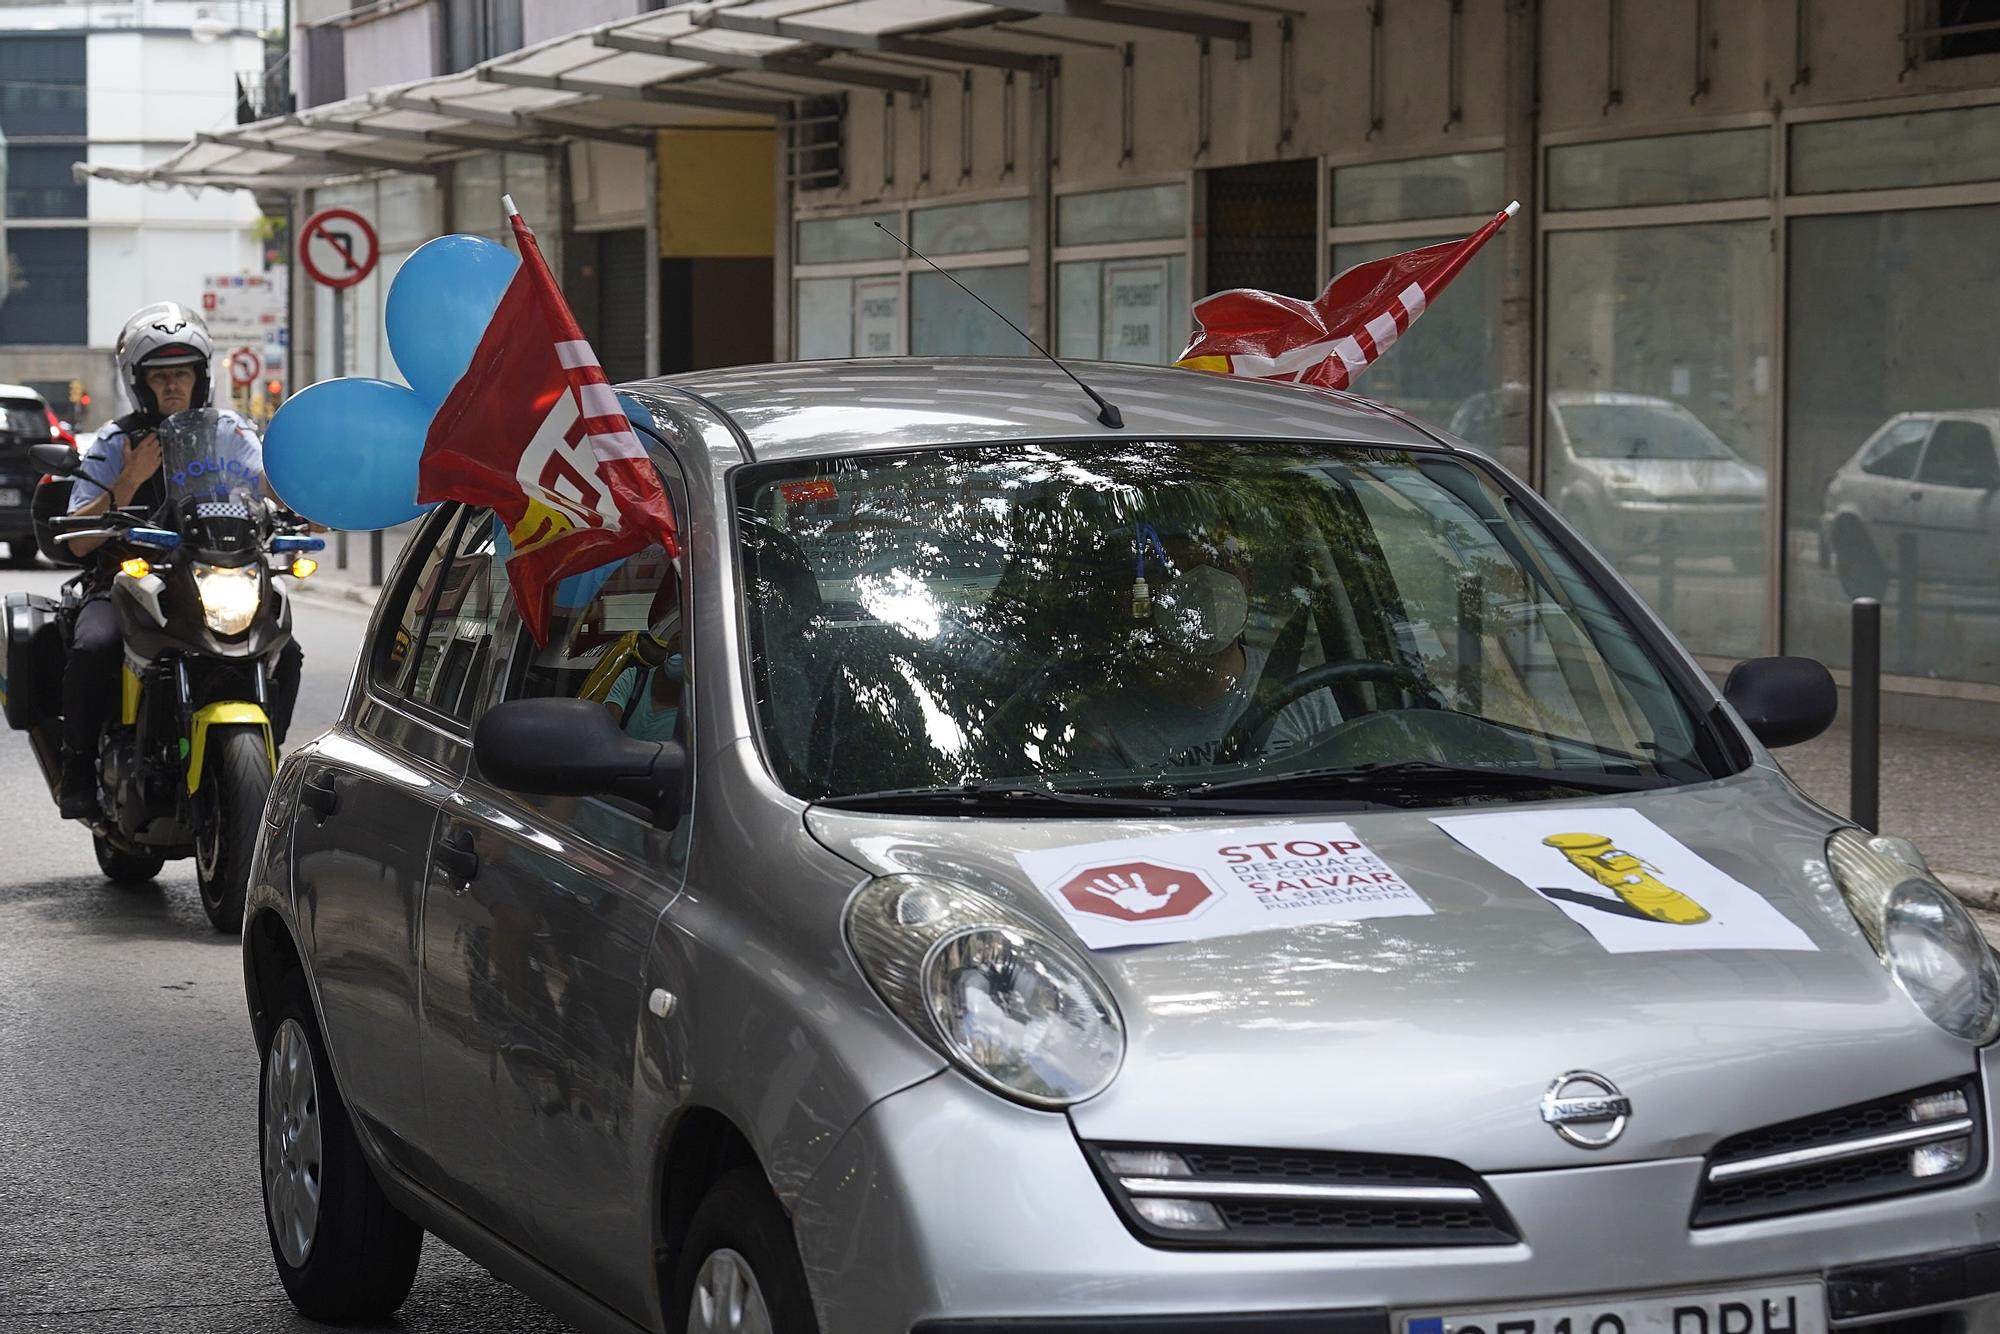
[105, 458]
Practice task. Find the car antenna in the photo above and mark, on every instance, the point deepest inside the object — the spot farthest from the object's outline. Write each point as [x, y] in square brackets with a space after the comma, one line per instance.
[1108, 412]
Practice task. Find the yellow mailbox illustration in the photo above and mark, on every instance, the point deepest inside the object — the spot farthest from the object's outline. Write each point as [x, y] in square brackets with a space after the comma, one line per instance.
[1627, 876]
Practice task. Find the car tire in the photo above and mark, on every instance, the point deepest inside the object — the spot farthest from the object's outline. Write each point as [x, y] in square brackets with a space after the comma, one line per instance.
[240, 779]
[739, 1270]
[1857, 563]
[343, 1252]
[123, 866]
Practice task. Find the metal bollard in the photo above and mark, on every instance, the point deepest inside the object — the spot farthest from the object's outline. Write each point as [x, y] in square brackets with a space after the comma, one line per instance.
[340, 550]
[1864, 773]
[375, 558]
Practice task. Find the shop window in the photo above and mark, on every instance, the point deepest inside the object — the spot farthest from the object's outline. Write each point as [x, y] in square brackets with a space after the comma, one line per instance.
[42, 88]
[849, 317]
[1132, 310]
[818, 160]
[1914, 288]
[1142, 213]
[961, 229]
[1962, 28]
[944, 321]
[40, 183]
[1891, 152]
[1669, 169]
[846, 240]
[1657, 425]
[1433, 187]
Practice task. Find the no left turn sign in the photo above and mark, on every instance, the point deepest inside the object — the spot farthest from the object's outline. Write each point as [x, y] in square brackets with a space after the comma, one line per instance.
[244, 363]
[338, 247]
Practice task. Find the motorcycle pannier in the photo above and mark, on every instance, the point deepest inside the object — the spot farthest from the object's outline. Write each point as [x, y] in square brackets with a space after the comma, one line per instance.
[31, 667]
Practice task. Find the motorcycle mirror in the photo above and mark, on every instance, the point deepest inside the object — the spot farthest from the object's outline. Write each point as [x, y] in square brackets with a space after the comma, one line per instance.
[56, 459]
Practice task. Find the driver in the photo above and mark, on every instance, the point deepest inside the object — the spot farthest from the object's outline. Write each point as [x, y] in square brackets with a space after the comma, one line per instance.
[1191, 672]
[163, 356]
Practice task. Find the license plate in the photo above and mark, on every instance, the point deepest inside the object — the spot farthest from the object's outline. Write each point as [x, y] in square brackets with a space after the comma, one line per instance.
[1785, 1308]
[9, 496]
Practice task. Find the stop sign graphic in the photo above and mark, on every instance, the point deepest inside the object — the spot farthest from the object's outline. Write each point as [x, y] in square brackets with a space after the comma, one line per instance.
[1137, 891]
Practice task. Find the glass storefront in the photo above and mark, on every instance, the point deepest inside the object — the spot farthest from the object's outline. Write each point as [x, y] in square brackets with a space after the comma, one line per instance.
[1121, 274]
[1892, 416]
[1657, 424]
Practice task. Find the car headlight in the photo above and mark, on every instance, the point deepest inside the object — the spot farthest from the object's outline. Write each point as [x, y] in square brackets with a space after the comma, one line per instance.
[229, 596]
[1924, 936]
[989, 988]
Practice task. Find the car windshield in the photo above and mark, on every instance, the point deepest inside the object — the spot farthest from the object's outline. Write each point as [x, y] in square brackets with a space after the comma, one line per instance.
[23, 419]
[1168, 617]
[1640, 431]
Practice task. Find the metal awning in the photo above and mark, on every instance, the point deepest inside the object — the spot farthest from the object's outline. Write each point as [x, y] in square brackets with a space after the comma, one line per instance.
[693, 65]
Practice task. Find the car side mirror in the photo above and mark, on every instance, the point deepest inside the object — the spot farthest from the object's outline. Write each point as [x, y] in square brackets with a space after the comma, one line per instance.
[574, 748]
[57, 460]
[1783, 701]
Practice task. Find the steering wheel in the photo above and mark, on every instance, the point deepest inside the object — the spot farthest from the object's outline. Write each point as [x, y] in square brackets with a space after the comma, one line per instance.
[1254, 723]
[1053, 675]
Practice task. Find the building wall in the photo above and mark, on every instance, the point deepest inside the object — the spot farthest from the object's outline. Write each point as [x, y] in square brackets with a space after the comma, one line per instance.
[1750, 239]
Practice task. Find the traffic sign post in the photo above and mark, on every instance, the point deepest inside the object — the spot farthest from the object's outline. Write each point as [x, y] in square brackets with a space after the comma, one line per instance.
[338, 249]
[244, 363]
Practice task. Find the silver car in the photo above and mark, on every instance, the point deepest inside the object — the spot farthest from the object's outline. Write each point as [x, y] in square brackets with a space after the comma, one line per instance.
[1919, 501]
[1249, 871]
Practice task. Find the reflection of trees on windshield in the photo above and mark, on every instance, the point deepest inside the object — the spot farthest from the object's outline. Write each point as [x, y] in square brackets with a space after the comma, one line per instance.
[935, 618]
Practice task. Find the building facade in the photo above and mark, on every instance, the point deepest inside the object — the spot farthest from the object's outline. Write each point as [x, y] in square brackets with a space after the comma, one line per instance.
[121, 84]
[1744, 329]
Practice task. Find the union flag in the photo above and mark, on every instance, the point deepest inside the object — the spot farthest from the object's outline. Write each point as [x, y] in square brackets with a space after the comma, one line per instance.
[534, 430]
[1328, 342]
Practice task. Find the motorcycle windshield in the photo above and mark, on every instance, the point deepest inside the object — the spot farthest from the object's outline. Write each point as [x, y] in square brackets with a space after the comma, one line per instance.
[213, 466]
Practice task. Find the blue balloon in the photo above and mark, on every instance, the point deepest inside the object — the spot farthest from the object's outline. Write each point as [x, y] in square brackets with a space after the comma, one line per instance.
[439, 306]
[344, 453]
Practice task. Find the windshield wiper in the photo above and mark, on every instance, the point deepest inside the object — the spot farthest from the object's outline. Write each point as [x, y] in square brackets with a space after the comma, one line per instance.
[1425, 776]
[1003, 799]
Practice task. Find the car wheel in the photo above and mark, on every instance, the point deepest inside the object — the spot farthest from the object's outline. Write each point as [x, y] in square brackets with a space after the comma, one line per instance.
[123, 866]
[739, 1272]
[1856, 562]
[241, 778]
[343, 1251]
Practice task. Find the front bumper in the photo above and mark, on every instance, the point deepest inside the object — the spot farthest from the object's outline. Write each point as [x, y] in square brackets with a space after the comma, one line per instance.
[947, 1211]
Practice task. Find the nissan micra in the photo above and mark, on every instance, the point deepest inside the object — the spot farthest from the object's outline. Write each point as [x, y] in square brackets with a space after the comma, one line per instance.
[1251, 870]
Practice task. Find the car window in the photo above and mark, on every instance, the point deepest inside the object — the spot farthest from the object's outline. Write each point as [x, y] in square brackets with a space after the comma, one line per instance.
[390, 662]
[1961, 454]
[1894, 452]
[455, 643]
[1640, 430]
[1162, 612]
[24, 417]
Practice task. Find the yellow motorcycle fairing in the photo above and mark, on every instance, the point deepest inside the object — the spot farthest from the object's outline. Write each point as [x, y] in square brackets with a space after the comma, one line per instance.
[224, 713]
[128, 696]
[1628, 877]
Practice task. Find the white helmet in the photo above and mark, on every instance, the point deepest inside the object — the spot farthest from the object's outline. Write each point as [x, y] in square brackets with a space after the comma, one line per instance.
[164, 334]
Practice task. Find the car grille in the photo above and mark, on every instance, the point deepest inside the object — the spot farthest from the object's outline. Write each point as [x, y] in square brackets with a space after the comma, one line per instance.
[1922, 1140]
[1200, 1196]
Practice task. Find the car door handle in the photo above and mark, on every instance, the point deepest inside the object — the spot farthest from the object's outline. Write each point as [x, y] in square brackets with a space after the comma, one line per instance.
[319, 795]
[457, 858]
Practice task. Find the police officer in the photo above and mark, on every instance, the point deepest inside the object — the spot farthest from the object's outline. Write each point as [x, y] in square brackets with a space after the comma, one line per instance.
[163, 353]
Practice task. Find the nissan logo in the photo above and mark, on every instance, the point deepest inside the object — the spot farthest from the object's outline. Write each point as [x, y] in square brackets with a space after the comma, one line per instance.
[1586, 1109]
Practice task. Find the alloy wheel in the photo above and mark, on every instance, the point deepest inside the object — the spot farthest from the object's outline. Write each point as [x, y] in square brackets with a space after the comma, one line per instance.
[292, 1162]
[727, 1299]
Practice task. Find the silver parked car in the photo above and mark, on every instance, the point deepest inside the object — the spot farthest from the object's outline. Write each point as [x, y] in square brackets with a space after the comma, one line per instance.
[1924, 489]
[1250, 871]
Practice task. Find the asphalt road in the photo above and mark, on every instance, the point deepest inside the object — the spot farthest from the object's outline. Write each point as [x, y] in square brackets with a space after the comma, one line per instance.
[128, 1083]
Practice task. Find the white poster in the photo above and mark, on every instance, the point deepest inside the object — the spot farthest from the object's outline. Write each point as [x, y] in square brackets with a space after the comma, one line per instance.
[243, 308]
[878, 317]
[1630, 884]
[1217, 882]
[1135, 310]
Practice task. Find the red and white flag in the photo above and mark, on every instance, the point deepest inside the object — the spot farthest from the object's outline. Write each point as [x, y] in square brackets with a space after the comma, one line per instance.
[1328, 342]
[534, 430]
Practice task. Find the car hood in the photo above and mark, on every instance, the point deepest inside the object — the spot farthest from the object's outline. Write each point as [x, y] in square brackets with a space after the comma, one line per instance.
[1439, 1035]
[1682, 479]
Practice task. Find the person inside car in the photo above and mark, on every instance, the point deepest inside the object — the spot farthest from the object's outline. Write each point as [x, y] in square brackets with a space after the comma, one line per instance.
[1190, 671]
[163, 353]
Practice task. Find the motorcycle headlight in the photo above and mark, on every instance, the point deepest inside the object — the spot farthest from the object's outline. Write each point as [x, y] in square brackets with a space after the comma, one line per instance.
[1924, 936]
[229, 597]
[988, 988]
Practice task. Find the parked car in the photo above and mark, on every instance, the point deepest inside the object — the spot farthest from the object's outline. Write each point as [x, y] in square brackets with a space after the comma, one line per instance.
[1293, 886]
[25, 420]
[1924, 488]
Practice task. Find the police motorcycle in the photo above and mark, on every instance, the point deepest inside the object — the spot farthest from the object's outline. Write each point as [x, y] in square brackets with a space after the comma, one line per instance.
[186, 759]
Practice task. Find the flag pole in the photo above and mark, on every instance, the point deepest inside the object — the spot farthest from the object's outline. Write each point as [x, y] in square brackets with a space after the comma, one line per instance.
[507, 202]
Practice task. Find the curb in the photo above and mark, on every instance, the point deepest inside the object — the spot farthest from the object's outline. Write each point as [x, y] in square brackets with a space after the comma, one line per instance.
[360, 595]
[1975, 891]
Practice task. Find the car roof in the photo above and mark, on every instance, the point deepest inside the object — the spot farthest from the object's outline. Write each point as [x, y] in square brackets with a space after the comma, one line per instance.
[19, 391]
[814, 408]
